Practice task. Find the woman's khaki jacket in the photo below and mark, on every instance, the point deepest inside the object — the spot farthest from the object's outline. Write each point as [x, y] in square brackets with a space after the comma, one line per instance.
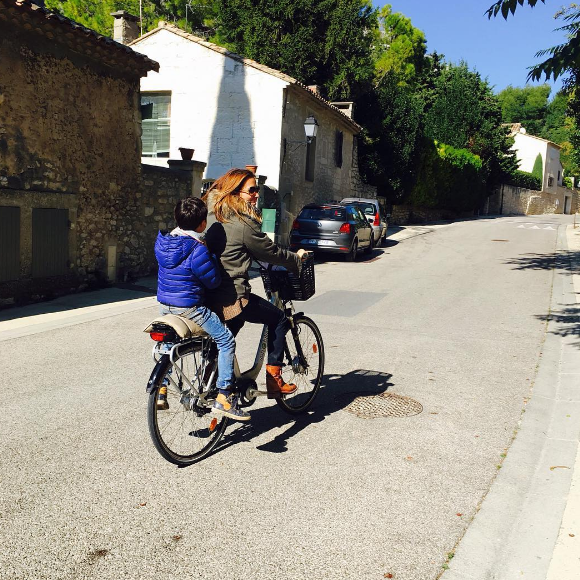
[236, 243]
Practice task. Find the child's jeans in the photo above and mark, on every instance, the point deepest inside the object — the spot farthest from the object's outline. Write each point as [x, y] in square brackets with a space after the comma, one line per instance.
[222, 335]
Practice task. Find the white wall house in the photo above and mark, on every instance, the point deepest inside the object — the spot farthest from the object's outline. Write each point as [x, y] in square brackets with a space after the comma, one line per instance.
[235, 112]
[528, 147]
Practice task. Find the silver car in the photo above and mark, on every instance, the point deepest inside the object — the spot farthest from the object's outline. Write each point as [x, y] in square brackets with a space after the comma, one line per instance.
[372, 210]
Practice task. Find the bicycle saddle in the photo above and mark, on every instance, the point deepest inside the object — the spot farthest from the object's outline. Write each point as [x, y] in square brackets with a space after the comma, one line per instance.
[184, 327]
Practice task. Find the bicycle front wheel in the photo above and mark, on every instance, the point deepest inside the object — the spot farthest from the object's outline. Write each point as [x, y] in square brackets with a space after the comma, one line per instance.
[184, 430]
[304, 352]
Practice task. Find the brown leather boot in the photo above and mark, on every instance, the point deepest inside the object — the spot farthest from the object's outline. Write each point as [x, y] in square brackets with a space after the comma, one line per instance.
[275, 384]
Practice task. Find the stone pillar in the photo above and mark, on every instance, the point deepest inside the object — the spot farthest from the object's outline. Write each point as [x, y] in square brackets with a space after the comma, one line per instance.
[126, 27]
[195, 167]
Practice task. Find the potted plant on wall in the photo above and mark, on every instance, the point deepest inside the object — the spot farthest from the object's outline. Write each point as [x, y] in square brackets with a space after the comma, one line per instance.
[186, 153]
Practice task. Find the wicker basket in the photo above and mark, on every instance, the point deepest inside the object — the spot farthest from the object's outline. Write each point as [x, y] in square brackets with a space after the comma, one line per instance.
[290, 286]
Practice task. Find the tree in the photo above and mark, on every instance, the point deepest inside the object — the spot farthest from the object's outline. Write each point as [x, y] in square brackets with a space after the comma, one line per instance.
[527, 105]
[96, 14]
[564, 57]
[466, 115]
[399, 47]
[389, 149]
[323, 42]
[538, 169]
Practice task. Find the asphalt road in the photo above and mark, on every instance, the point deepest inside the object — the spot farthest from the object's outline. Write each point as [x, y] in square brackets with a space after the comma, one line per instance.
[453, 319]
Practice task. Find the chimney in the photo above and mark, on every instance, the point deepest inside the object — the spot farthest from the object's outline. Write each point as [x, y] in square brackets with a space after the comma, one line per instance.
[346, 107]
[315, 89]
[126, 29]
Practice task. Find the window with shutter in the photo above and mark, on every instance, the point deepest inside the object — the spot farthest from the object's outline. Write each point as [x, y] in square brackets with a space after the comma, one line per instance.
[156, 120]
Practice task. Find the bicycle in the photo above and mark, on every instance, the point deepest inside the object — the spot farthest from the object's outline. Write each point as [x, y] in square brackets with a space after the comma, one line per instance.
[183, 428]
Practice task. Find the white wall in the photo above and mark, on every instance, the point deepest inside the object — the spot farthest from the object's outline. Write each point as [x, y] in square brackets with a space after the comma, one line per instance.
[229, 113]
[527, 148]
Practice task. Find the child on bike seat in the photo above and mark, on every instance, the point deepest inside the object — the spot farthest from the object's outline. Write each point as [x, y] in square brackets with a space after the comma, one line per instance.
[186, 270]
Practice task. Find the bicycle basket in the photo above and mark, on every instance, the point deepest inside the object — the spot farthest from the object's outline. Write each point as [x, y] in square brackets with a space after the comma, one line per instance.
[290, 286]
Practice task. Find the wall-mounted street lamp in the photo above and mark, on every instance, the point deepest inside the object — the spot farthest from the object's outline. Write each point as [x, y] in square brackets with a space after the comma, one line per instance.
[310, 130]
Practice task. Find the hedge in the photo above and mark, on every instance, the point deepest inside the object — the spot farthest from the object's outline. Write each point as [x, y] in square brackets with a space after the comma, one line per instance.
[449, 178]
[525, 180]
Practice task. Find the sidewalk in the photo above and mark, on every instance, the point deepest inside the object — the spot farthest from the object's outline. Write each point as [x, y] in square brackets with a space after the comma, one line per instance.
[528, 526]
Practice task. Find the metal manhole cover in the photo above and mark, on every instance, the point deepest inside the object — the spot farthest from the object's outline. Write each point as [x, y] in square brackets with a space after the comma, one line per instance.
[384, 405]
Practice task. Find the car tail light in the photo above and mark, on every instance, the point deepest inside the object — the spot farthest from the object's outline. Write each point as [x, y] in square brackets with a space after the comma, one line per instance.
[377, 220]
[159, 336]
[296, 225]
[344, 229]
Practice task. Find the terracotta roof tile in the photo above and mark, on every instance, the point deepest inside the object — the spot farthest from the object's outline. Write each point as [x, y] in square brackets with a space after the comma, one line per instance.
[41, 17]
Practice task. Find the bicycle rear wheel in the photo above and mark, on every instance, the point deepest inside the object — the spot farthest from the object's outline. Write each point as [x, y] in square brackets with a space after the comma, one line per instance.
[304, 353]
[186, 431]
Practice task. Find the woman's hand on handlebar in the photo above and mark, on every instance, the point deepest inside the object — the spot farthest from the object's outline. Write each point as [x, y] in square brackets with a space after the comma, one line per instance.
[302, 254]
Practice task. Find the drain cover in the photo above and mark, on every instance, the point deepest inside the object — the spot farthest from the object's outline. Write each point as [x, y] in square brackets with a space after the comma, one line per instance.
[384, 405]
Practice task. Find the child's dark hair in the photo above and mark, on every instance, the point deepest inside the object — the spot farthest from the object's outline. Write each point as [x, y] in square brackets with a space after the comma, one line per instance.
[190, 212]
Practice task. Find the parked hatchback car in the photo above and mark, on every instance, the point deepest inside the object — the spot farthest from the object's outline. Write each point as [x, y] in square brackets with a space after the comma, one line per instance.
[374, 214]
[336, 228]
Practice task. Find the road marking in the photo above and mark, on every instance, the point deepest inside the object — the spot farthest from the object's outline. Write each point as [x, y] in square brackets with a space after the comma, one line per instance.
[522, 227]
[534, 228]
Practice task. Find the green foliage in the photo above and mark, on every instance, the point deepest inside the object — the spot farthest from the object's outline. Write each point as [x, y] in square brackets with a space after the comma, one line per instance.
[322, 42]
[538, 170]
[525, 180]
[527, 105]
[563, 57]
[466, 114]
[96, 14]
[449, 178]
[567, 181]
[391, 117]
[399, 47]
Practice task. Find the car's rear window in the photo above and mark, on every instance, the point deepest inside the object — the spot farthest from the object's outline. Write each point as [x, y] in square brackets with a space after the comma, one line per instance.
[322, 213]
[367, 208]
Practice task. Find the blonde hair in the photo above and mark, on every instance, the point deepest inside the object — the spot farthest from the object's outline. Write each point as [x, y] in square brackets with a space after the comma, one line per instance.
[227, 201]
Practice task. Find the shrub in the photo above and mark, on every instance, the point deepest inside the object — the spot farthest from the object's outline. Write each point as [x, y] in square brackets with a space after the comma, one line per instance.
[526, 180]
[449, 178]
[538, 170]
[568, 182]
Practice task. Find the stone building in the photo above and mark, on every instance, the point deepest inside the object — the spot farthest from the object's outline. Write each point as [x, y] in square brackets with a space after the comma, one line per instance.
[76, 208]
[235, 112]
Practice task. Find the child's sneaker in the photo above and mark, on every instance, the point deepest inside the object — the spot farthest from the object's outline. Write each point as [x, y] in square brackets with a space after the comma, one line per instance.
[228, 406]
[162, 404]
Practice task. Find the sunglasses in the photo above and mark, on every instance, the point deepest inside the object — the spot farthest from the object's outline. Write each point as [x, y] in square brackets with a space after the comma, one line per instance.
[251, 190]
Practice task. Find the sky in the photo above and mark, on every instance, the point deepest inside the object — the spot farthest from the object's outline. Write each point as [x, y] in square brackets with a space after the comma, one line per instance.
[498, 49]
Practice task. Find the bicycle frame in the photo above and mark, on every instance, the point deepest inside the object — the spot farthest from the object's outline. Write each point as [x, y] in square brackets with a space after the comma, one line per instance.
[253, 372]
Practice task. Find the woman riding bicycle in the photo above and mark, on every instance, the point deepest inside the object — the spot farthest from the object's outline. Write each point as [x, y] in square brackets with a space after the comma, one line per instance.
[234, 235]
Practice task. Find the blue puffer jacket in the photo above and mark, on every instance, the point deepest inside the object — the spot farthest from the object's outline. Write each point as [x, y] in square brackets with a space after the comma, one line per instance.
[186, 269]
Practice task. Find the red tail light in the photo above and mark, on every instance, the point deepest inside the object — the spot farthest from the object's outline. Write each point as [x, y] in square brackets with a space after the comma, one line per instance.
[158, 336]
[344, 229]
[377, 220]
[296, 225]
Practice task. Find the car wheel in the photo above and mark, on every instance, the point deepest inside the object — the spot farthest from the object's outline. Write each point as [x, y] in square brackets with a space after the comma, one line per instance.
[371, 246]
[351, 256]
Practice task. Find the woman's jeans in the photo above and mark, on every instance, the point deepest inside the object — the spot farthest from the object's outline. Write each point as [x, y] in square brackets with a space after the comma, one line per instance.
[222, 336]
[260, 311]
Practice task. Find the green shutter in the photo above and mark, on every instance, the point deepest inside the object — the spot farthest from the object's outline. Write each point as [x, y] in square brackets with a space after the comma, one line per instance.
[9, 243]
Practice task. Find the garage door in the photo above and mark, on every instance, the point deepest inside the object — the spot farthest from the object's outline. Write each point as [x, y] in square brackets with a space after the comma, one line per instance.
[9, 243]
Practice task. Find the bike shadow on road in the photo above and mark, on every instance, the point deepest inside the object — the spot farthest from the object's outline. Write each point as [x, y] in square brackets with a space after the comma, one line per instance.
[337, 392]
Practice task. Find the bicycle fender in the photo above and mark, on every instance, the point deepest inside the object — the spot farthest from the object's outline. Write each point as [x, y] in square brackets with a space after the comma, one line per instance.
[156, 372]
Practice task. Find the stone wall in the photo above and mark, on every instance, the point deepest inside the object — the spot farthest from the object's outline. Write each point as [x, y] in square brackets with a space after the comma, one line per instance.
[510, 200]
[70, 139]
[330, 181]
[406, 214]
